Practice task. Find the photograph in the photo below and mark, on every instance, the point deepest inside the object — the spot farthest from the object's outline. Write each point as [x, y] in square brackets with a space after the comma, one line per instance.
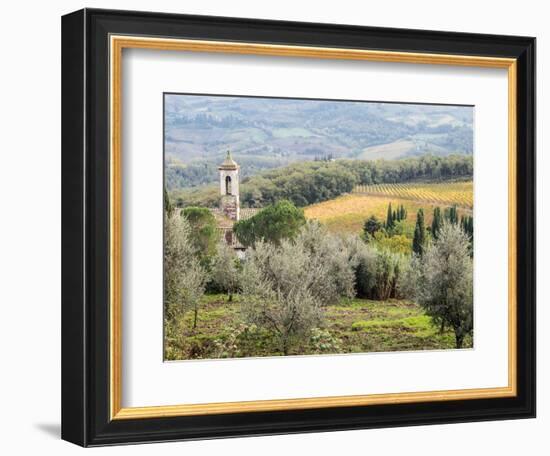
[302, 227]
[268, 226]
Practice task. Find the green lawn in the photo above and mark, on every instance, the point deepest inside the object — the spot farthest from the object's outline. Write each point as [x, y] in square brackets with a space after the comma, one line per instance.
[352, 326]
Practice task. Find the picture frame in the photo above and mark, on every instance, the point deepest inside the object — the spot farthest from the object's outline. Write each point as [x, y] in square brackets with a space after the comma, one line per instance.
[92, 367]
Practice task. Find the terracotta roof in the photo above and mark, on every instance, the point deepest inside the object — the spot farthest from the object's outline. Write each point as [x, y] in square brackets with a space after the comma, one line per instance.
[221, 219]
[247, 212]
[226, 222]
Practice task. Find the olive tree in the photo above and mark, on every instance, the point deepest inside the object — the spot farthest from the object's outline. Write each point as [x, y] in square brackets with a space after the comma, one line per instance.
[285, 286]
[444, 281]
[225, 270]
[335, 261]
[184, 277]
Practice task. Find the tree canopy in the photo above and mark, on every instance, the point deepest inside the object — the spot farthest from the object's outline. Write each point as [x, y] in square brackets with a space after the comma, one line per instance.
[419, 239]
[311, 182]
[444, 281]
[286, 285]
[203, 230]
[371, 226]
[282, 220]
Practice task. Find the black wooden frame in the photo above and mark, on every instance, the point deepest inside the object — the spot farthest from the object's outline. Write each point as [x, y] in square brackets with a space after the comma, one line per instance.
[85, 225]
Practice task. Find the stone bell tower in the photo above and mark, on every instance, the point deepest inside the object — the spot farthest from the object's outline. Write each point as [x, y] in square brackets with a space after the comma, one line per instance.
[229, 188]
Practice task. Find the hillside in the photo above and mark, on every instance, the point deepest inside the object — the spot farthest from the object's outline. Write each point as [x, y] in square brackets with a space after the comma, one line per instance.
[443, 193]
[312, 182]
[347, 213]
[265, 133]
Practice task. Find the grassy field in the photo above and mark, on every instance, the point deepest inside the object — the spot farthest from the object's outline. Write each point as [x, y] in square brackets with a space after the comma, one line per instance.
[444, 193]
[347, 213]
[352, 326]
[389, 151]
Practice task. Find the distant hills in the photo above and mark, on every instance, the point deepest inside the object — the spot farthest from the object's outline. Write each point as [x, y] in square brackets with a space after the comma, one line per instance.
[265, 133]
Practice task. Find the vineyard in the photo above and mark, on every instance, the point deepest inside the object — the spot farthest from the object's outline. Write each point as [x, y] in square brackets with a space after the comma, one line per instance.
[347, 213]
[445, 193]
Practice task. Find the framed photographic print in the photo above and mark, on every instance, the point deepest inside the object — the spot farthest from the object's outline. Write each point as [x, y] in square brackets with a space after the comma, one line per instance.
[279, 227]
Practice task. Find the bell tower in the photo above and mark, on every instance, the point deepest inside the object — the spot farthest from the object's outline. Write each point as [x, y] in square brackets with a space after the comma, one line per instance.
[229, 188]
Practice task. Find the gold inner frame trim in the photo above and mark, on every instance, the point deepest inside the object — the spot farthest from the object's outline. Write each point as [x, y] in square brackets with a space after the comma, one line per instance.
[117, 44]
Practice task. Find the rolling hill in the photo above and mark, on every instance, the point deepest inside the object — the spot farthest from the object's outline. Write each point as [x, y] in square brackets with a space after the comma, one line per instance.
[348, 213]
[266, 133]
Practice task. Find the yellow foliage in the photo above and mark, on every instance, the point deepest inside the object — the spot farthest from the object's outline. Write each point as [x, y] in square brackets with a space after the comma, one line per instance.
[441, 193]
[348, 213]
[395, 244]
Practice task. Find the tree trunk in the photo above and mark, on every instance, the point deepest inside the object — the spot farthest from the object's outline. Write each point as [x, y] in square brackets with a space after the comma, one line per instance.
[195, 317]
[285, 347]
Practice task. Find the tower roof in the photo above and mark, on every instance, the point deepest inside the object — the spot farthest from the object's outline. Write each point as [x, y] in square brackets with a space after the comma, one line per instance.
[229, 163]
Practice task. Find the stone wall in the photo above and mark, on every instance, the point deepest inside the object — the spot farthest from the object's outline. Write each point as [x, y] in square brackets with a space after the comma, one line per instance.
[230, 206]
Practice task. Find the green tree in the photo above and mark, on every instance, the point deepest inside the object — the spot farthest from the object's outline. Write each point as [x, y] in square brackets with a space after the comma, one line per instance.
[419, 238]
[444, 286]
[309, 182]
[404, 213]
[467, 225]
[286, 285]
[437, 221]
[387, 269]
[364, 261]
[451, 214]
[396, 243]
[401, 228]
[225, 270]
[282, 220]
[184, 277]
[371, 226]
[389, 218]
[377, 269]
[203, 230]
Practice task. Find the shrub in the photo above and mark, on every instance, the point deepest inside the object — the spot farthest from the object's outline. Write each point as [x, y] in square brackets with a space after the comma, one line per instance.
[322, 341]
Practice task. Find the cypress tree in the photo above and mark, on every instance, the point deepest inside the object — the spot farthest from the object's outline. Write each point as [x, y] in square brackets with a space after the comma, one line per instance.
[389, 217]
[467, 224]
[436, 222]
[419, 239]
[402, 213]
[452, 215]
